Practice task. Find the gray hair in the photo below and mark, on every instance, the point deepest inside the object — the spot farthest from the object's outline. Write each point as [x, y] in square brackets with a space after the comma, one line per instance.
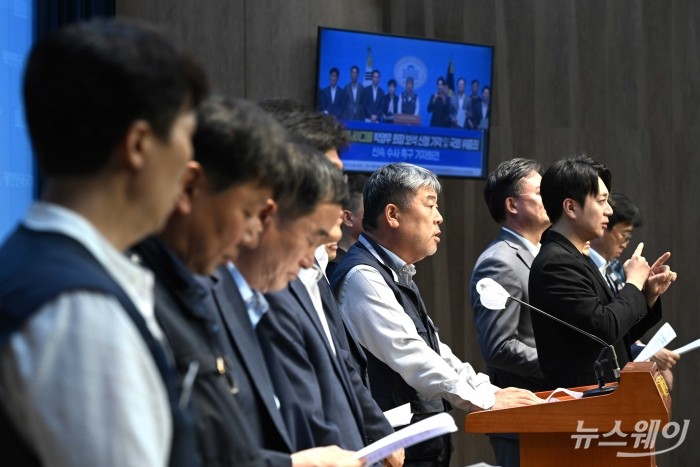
[394, 184]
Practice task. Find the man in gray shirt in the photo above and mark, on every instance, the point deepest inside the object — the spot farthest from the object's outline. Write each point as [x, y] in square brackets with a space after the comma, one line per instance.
[375, 290]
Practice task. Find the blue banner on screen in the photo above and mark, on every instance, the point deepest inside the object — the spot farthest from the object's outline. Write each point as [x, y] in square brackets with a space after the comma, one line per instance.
[442, 151]
[406, 99]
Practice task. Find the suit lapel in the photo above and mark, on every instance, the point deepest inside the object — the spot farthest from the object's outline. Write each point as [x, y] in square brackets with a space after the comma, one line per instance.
[584, 260]
[235, 318]
[522, 251]
[299, 291]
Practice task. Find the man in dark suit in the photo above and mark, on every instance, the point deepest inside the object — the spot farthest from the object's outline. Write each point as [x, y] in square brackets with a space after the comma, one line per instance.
[323, 359]
[506, 339]
[372, 99]
[440, 106]
[240, 158]
[331, 99]
[565, 283]
[353, 96]
[481, 110]
[605, 252]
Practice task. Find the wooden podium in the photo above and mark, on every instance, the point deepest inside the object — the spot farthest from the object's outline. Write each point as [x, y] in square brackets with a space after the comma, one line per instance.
[406, 119]
[562, 433]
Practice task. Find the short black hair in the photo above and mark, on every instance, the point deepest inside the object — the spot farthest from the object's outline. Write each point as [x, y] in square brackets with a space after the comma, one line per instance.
[624, 211]
[321, 131]
[356, 185]
[410, 78]
[440, 79]
[475, 81]
[461, 79]
[485, 88]
[575, 177]
[506, 181]
[85, 85]
[390, 82]
[355, 67]
[237, 142]
[377, 72]
[311, 179]
[334, 70]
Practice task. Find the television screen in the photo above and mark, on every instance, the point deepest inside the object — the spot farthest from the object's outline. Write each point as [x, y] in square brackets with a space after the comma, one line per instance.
[406, 99]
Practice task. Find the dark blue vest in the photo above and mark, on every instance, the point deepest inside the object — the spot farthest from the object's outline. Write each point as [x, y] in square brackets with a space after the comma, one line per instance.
[39, 266]
[408, 104]
[388, 387]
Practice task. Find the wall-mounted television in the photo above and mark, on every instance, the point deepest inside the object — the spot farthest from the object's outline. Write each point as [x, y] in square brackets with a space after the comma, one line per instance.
[400, 98]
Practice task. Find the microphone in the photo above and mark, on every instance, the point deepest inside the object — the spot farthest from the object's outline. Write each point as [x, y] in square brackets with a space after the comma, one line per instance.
[494, 297]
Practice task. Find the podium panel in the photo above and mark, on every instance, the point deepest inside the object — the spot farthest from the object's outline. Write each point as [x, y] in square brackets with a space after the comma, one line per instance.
[613, 429]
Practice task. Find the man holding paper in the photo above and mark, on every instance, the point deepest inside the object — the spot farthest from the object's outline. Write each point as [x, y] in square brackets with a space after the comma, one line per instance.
[605, 251]
[565, 283]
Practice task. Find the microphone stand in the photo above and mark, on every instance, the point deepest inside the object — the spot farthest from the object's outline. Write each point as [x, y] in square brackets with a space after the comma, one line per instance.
[598, 364]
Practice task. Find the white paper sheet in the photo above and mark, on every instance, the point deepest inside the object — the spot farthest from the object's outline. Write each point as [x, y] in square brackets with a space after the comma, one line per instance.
[660, 340]
[431, 427]
[574, 394]
[688, 347]
[399, 416]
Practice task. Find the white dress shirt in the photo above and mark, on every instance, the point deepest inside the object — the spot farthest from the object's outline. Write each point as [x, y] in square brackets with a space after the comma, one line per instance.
[310, 277]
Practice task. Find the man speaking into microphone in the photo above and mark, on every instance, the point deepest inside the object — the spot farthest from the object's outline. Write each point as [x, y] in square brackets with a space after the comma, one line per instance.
[563, 281]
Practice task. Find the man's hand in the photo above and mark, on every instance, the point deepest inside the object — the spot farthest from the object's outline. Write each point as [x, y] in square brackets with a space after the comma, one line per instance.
[660, 279]
[515, 397]
[327, 456]
[637, 269]
[665, 359]
[395, 459]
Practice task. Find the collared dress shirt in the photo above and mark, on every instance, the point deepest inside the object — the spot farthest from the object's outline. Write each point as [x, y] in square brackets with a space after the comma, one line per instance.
[383, 328]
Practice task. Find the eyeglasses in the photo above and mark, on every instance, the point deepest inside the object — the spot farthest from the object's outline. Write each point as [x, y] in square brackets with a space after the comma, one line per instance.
[624, 237]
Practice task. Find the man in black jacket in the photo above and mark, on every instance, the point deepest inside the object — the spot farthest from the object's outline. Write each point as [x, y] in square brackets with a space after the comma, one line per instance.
[565, 283]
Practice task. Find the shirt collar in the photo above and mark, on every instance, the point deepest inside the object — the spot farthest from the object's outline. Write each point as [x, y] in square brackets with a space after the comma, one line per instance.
[597, 259]
[135, 280]
[403, 272]
[255, 302]
[534, 249]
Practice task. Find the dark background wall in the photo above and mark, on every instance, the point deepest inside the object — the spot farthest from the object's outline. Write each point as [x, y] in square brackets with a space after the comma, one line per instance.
[619, 80]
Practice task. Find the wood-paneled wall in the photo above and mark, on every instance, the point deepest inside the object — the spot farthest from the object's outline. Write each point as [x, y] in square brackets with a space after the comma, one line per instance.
[619, 80]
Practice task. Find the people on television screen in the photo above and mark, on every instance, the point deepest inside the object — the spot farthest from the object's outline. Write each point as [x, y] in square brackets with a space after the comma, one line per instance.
[372, 99]
[331, 98]
[352, 110]
[408, 103]
[440, 106]
[475, 103]
[481, 110]
[461, 104]
[390, 106]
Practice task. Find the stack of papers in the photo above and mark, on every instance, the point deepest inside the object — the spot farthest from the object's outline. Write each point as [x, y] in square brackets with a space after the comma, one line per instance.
[436, 425]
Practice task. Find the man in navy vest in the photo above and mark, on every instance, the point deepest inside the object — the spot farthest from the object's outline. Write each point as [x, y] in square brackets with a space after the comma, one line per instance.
[84, 377]
[375, 290]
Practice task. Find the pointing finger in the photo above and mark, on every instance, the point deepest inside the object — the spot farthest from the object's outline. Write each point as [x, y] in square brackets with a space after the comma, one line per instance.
[638, 250]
